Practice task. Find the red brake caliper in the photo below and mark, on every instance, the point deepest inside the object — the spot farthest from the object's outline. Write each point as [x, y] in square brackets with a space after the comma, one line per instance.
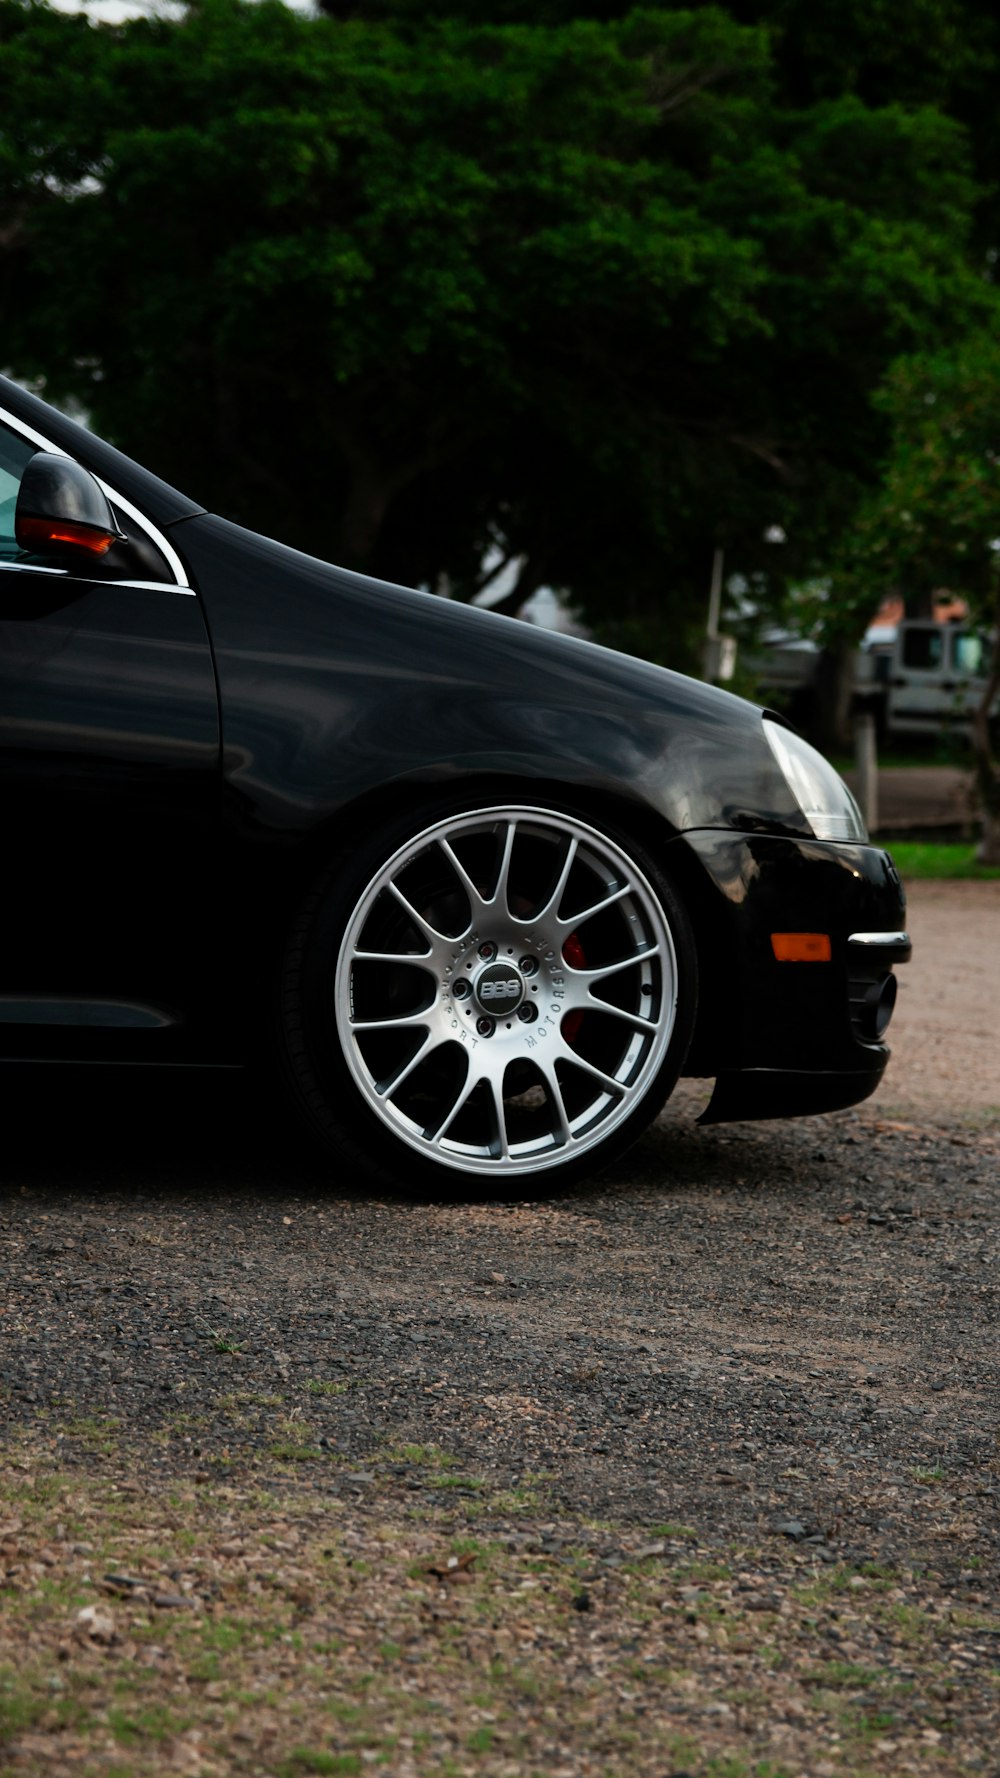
[574, 955]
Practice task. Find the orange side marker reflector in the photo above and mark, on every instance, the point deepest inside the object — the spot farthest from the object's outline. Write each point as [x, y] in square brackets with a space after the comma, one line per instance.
[801, 947]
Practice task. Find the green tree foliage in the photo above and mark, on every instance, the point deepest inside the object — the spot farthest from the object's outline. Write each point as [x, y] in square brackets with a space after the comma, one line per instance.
[934, 520]
[603, 291]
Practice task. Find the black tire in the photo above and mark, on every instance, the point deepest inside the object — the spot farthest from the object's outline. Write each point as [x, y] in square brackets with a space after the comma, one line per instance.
[489, 993]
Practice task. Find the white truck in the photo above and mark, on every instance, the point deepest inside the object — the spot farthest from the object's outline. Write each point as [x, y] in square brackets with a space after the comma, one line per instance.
[926, 678]
[918, 677]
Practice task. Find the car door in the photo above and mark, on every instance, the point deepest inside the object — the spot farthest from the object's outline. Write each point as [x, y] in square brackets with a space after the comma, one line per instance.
[109, 793]
[968, 660]
[916, 701]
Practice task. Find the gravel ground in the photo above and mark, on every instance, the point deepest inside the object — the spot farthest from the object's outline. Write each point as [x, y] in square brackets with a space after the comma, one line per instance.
[819, 1298]
[779, 1335]
[946, 1031]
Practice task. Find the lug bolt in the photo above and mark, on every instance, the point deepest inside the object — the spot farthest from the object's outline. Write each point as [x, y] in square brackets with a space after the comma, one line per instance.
[461, 988]
[527, 1012]
[528, 965]
[487, 950]
[485, 1027]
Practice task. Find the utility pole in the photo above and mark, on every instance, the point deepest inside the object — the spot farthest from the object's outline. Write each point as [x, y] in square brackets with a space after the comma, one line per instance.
[719, 653]
[866, 758]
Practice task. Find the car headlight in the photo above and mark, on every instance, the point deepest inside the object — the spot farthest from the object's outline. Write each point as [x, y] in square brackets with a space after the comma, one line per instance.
[820, 792]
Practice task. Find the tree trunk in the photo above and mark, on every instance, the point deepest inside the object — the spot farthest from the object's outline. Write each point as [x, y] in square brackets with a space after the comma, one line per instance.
[987, 763]
[369, 493]
[831, 726]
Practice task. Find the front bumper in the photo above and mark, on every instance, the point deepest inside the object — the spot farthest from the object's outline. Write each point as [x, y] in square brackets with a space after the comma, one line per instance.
[785, 1038]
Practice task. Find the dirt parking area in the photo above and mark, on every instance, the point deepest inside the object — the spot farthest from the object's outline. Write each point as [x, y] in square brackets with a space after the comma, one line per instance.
[946, 1030]
[693, 1471]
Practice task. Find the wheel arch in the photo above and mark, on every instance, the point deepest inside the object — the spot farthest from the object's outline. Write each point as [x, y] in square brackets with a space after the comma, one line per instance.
[383, 803]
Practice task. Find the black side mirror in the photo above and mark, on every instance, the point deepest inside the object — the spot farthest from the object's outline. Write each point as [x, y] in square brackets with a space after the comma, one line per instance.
[61, 511]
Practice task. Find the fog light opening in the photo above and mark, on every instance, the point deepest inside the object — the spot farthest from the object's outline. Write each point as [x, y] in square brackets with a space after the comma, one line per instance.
[879, 1002]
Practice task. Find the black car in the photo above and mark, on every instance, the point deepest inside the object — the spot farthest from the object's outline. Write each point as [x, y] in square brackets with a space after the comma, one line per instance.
[483, 892]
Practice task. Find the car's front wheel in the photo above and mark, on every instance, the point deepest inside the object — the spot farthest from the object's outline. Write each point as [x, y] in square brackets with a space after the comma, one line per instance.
[496, 992]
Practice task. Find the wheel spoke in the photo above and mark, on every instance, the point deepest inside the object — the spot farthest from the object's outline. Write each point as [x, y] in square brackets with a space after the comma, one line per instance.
[569, 922]
[496, 1087]
[417, 960]
[387, 1088]
[556, 1100]
[606, 1080]
[499, 898]
[552, 905]
[435, 940]
[477, 901]
[466, 1091]
[606, 969]
[402, 1022]
[637, 1019]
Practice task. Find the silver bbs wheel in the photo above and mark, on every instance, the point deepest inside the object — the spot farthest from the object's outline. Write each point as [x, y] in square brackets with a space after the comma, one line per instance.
[506, 990]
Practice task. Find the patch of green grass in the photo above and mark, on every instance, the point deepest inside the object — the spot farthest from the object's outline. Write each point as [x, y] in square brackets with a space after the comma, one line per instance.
[25, 1703]
[430, 1456]
[934, 861]
[872, 1723]
[942, 750]
[144, 1722]
[20, 1708]
[313, 1759]
[882, 1573]
[515, 1500]
[224, 1634]
[317, 1386]
[838, 1675]
[910, 1622]
[968, 1619]
[734, 1766]
[92, 1428]
[285, 1451]
[934, 1474]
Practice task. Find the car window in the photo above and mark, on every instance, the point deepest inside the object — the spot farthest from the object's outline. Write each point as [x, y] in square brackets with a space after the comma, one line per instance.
[923, 649]
[15, 454]
[967, 652]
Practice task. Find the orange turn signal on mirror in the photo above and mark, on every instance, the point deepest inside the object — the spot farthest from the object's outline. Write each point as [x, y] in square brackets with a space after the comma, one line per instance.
[48, 534]
[801, 947]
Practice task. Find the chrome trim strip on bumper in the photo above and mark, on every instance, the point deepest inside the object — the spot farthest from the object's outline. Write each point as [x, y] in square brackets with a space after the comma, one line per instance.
[896, 941]
[893, 947]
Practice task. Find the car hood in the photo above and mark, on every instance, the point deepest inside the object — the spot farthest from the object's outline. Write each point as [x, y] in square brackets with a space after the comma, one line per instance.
[366, 680]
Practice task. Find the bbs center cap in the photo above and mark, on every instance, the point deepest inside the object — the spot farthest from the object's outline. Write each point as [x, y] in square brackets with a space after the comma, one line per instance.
[499, 989]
